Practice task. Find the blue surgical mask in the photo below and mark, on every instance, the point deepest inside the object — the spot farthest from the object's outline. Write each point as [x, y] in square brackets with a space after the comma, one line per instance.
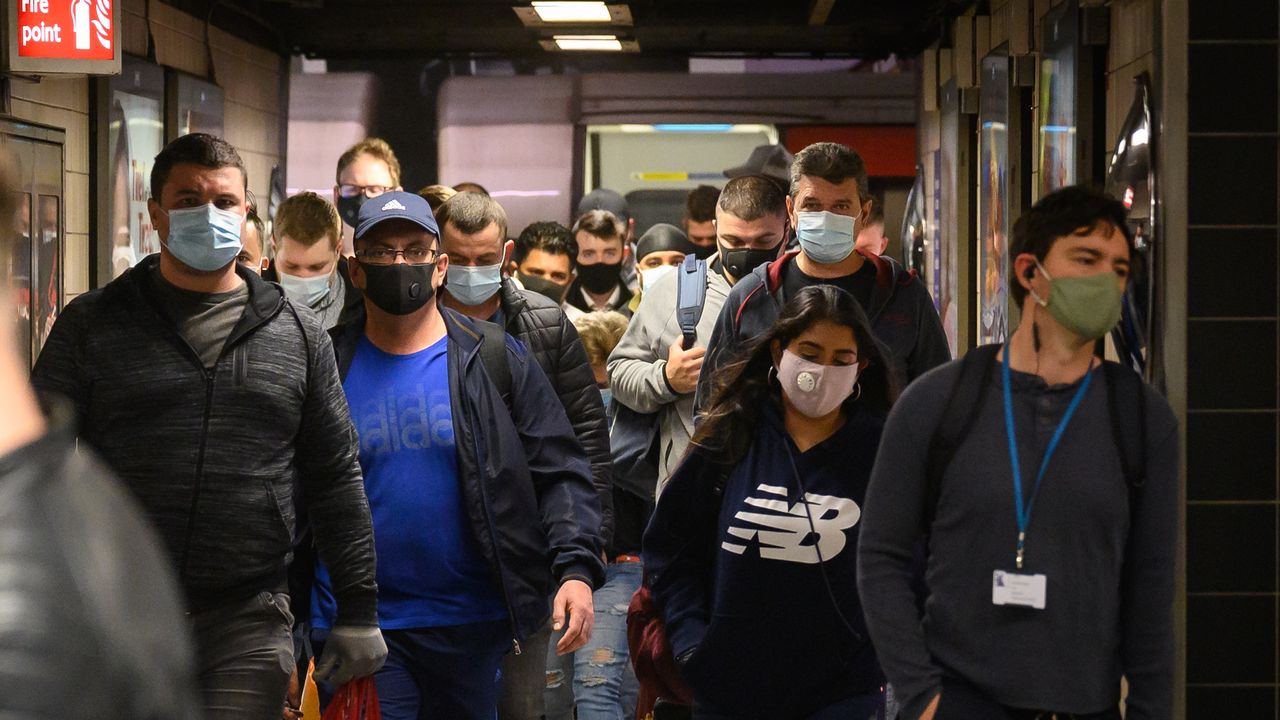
[205, 238]
[473, 285]
[308, 291]
[606, 397]
[827, 238]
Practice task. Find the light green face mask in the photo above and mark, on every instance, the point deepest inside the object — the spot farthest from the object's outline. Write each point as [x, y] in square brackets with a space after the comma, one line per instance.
[1088, 306]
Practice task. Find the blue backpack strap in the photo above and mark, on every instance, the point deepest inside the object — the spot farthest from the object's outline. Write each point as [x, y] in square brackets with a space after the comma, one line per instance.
[958, 416]
[691, 296]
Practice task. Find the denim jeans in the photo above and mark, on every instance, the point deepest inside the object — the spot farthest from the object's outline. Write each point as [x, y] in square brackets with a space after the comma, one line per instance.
[244, 655]
[524, 677]
[445, 673]
[603, 683]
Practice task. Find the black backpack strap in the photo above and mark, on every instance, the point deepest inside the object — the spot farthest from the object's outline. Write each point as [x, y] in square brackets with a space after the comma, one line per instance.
[1127, 404]
[958, 416]
[493, 353]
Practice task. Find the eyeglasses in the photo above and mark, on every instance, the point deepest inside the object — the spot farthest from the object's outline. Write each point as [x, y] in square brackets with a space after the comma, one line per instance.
[387, 256]
[369, 191]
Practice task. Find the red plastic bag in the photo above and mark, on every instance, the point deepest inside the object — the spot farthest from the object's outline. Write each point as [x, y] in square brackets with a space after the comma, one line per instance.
[357, 700]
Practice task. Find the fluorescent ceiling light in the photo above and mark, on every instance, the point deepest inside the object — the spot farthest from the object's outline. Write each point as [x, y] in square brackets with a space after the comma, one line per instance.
[553, 11]
[589, 42]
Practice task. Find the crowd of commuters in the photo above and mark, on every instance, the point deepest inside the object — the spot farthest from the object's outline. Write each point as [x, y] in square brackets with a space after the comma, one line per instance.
[722, 468]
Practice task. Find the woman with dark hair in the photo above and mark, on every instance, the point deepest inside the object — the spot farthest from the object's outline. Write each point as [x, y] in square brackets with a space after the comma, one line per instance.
[751, 551]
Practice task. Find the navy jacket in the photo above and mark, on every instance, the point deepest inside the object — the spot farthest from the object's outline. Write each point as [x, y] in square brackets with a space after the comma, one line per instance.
[525, 479]
[737, 581]
[902, 316]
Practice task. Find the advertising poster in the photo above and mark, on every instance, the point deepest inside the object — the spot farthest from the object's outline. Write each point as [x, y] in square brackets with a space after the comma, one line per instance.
[948, 306]
[135, 137]
[935, 257]
[993, 200]
[197, 106]
[1058, 98]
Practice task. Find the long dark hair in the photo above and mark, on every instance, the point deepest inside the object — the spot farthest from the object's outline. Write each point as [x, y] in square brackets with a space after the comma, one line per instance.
[727, 429]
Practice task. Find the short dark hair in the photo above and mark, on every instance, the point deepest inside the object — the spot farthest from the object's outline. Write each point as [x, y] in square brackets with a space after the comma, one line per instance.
[259, 225]
[751, 197]
[549, 237]
[1073, 210]
[602, 224]
[471, 187]
[832, 162]
[700, 205]
[876, 215]
[472, 212]
[196, 149]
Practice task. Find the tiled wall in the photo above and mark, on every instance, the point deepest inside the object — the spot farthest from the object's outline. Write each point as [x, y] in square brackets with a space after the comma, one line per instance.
[1232, 507]
[249, 75]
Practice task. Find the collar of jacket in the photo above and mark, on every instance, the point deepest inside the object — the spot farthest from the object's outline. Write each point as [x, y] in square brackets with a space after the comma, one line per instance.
[511, 300]
[460, 329]
[266, 299]
[888, 276]
[59, 437]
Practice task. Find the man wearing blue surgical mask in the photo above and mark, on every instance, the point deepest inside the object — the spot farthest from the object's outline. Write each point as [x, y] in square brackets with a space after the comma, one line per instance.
[308, 262]
[828, 203]
[473, 231]
[213, 398]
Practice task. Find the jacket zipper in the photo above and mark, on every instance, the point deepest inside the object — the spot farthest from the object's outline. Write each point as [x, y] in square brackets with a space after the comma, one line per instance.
[209, 374]
[493, 537]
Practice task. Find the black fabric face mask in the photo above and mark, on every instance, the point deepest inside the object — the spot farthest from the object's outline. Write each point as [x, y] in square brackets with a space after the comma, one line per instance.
[702, 252]
[349, 208]
[542, 286]
[601, 277]
[399, 289]
[739, 262]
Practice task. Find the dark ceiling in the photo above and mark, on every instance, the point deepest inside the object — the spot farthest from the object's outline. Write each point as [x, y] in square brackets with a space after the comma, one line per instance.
[382, 29]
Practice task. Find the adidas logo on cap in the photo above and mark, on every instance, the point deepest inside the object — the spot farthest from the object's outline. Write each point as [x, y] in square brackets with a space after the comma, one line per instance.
[393, 205]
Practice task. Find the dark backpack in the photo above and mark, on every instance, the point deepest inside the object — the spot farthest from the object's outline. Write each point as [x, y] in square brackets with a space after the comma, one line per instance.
[1126, 403]
[493, 355]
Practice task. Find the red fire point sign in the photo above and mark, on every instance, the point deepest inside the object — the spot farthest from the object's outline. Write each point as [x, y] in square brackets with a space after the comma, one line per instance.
[66, 29]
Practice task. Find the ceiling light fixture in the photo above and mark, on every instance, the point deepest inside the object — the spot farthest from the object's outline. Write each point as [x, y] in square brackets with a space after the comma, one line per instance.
[554, 11]
[590, 43]
[608, 43]
[543, 13]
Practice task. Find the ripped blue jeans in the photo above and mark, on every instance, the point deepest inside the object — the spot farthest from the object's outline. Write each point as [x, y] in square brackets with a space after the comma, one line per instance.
[600, 679]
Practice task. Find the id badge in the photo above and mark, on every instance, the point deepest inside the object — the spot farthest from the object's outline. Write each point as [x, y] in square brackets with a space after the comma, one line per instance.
[1009, 588]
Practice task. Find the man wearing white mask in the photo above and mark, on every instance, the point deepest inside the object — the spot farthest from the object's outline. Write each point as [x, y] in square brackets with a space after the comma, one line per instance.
[659, 252]
[308, 262]
[213, 398]
[473, 231]
[829, 200]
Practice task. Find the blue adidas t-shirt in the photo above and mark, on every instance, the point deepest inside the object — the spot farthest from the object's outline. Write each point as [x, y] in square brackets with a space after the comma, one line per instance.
[430, 571]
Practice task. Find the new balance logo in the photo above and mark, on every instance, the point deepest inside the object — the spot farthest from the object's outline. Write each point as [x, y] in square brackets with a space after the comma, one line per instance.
[393, 205]
[783, 529]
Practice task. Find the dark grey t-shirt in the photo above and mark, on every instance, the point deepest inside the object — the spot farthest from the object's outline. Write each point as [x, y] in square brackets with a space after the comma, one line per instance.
[1109, 598]
[204, 320]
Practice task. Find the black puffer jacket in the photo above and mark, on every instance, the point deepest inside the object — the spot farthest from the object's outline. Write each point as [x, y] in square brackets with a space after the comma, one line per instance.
[542, 326]
[92, 626]
[213, 455]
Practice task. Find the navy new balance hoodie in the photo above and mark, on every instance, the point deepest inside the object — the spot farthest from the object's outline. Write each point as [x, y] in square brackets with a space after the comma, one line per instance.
[737, 576]
[902, 316]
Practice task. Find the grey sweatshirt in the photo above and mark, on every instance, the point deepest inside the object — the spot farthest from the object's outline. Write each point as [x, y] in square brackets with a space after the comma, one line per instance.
[1110, 591]
[638, 365]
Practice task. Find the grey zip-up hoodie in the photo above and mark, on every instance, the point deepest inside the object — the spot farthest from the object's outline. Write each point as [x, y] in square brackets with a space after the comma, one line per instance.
[214, 456]
[637, 366]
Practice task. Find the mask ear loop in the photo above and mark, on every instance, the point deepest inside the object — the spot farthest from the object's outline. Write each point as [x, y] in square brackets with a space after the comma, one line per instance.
[857, 391]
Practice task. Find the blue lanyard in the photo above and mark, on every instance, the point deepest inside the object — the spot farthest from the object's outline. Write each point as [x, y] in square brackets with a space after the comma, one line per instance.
[1024, 511]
